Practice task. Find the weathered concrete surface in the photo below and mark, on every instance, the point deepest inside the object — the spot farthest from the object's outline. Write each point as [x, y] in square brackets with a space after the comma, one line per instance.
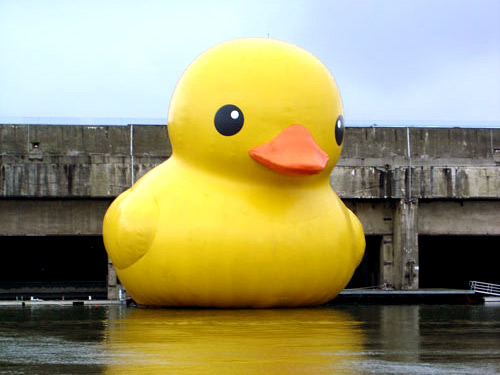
[405, 239]
[77, 161]
[102, 161]
[375, 215]
[419, 163]
[426, 146]
[52, 216]
[431, 182]
[459, 218]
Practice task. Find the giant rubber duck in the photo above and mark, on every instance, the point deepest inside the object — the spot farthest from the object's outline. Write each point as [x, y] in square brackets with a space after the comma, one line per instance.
[242, 214]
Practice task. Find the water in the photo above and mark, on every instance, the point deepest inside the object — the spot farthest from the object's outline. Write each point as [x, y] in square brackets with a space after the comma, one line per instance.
[335, 340]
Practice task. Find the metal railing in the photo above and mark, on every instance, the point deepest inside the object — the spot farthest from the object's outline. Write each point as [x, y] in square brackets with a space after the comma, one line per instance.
[486, 288]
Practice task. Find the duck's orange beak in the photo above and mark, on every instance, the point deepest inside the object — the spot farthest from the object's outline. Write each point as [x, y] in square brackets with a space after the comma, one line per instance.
[293, 152]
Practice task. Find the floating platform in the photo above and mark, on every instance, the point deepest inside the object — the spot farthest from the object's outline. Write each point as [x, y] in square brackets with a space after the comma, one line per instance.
[418, 296]
[32, 303]
[346, 297]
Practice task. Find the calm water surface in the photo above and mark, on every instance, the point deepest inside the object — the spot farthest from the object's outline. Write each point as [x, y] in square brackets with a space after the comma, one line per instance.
[334, 340]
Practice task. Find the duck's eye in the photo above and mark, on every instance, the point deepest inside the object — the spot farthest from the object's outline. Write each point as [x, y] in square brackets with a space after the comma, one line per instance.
[229, 120]
[339, 130]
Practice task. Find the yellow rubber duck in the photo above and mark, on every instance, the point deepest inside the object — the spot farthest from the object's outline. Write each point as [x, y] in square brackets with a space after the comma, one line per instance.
[242, 214]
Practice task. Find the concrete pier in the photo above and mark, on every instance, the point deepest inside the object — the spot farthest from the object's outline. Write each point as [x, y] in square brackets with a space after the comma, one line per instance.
[409, 186]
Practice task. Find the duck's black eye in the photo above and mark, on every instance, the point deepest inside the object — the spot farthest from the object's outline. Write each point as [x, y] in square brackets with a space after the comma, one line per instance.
[339, 130]
[229, 120]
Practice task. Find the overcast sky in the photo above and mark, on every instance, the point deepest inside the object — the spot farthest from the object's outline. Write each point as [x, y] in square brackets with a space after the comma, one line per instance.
[411, 61]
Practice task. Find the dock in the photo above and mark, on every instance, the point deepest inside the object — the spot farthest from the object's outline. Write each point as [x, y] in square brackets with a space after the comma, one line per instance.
[346, 297]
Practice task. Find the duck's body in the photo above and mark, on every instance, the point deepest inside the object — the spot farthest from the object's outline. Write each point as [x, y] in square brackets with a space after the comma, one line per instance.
[247, 245]
[222, 230]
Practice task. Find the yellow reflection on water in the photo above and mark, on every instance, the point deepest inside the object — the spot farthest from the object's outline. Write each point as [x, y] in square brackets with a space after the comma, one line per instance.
[294, 341]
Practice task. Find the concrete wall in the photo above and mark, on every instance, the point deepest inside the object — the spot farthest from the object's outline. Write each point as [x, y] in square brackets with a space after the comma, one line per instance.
[77, 161]
[401, 182]
[101, 161]
[40, 217]
[426, 163]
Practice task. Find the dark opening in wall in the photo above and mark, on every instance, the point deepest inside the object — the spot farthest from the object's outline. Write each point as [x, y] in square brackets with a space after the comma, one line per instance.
[368, 272]
[53, 265]
[453, 261]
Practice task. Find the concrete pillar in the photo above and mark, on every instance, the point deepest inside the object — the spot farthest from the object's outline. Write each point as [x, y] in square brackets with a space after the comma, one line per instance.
[405, 244]
[112, 283]
[387, 265]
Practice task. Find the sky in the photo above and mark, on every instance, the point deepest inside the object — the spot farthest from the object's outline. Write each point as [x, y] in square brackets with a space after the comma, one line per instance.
[411, 62]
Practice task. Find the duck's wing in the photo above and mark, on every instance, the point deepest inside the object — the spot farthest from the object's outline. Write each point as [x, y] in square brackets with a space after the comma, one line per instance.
[130, 226]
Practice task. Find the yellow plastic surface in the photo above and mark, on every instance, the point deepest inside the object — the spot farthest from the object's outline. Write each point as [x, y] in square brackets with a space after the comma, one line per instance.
[214, 227]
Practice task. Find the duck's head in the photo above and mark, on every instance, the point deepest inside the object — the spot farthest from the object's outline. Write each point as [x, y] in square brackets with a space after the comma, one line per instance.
[258, 108]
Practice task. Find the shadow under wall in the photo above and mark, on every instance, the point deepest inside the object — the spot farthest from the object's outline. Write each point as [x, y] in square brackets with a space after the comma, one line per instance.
[368, 272]
[52, 266]
[76, 266]
[453, 261]
[445, 262]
